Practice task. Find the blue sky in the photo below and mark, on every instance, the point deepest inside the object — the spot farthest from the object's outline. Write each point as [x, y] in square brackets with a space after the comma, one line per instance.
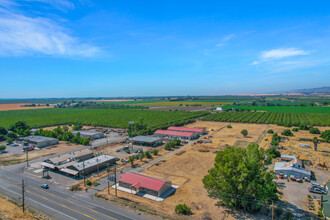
[118, 48]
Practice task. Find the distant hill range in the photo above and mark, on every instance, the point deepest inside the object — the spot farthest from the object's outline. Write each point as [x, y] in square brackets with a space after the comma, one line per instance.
[321, 90]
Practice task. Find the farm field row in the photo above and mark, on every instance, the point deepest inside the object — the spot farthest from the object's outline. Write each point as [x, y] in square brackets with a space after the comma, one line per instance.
[178, 103]
[280, 118]
[96, 117]
[303, 109]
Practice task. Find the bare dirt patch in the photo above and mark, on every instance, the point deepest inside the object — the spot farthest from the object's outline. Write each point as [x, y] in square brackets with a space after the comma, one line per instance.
[18, 106]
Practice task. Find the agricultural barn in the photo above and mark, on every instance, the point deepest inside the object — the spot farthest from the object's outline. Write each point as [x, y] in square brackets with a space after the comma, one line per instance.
[287, 158]
[39, 141]
[176, 134]
[89, 134]
[294, 167]
[145, 184]
[90, 165]
[199, 131]
[147, 140]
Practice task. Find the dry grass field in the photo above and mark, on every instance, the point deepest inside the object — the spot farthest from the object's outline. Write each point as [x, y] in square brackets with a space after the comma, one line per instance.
[21, 157]
[11, 211]
[188, 169]
[18, 106]
[291, 146]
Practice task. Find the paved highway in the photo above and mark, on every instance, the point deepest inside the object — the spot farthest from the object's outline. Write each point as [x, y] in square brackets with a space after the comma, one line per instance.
[60, 204]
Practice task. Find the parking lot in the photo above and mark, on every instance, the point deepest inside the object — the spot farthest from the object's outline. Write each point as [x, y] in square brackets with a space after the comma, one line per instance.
[296, 193]
[12, 149]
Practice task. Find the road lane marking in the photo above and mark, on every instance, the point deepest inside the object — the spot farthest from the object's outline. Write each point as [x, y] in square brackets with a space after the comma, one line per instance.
[50, 200]
[65, 199]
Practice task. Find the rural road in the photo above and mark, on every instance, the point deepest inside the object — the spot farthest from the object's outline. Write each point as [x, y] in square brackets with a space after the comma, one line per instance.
[57, 202]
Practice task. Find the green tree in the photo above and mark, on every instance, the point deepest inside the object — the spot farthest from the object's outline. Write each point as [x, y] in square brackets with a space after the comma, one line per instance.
[18, 125]
[244, 132]
[147, 154]
[229, 126]
[12, 135]
[3, 131]
[313, 130]
[155, 152]
[270, 131]
[182, 209]
[9, 140]
[325, 135]
[275, 140]
[2, 148]
[77, 127]
[287, 132]
[239, 174]
[131, 160]
[295, 129]
[2, 137]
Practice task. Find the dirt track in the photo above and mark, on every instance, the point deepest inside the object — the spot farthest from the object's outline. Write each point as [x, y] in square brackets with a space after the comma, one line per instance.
[18, 106]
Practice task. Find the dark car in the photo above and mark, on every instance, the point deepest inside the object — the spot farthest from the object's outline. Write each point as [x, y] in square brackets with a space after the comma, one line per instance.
[45, 186]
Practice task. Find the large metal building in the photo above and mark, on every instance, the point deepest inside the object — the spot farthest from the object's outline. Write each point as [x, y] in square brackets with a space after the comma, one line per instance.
[147, 140]
[199, 131]
[176, 134]
[89, 134]
[39, 141]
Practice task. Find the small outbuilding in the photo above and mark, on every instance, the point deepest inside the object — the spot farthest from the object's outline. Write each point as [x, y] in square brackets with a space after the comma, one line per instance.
[147, 140]
[146, 184]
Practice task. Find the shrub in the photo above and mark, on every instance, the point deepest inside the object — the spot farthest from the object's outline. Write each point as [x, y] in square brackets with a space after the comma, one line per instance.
[303, 127]
[270, 131]
[88, 182]
[96, 184]
[320, 214]
[288, 215]
[244, 132]
[313, 130]
[287, 132]
[2, 148]
[295, 129]
[229, 126]
[147, 154]
[155, 152]
[182, 209]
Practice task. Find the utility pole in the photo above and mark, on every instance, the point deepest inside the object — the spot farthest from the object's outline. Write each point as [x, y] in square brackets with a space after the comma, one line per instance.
[23, 205]
[27, 158]
[84, 173]
[116, 181]
[97, 163]
[131, 123]
[108, 169]
[273, 210]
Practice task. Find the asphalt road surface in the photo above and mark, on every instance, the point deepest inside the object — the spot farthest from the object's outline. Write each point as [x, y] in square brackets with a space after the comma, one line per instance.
[58, 203]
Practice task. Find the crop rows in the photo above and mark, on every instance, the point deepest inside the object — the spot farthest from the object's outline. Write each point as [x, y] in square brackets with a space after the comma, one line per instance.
[118, 118]
[280, 118]
[303, 109]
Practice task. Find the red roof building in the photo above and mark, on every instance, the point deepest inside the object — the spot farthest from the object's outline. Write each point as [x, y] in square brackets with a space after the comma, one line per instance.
[175, 134]
[146, 184]
[193, 130]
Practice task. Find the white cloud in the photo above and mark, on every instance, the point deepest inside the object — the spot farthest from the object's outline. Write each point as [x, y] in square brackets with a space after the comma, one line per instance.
[22, 35]
[224, 40]
[58, 4]
[281, 53]
[276, 54]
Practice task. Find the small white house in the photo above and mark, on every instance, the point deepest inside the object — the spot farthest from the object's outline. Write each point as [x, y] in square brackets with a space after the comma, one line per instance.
[219, 109]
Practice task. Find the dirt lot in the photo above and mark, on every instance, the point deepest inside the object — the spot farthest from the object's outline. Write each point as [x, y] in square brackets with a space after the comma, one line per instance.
[21, 157]
[291, 146]
[18, 106]
[188, 169]
[9, 210]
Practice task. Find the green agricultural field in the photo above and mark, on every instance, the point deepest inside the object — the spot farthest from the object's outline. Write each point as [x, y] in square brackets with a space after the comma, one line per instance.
[303, 109]
[178, 103]
[280, 118]
[99, 117]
